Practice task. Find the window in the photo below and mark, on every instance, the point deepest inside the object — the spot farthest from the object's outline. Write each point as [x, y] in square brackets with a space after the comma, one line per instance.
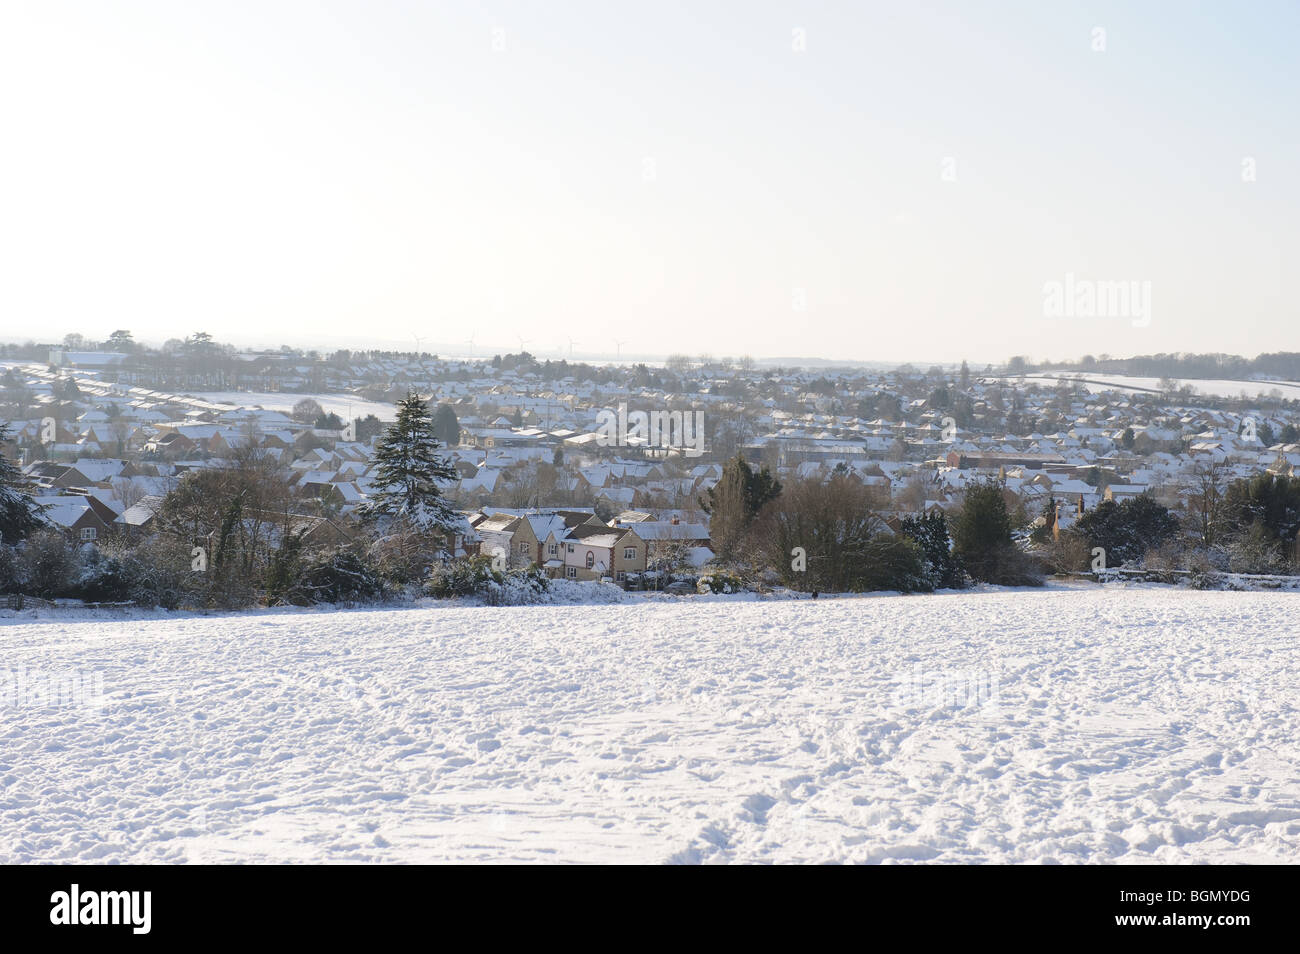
[591, 559]
[629, 553]
[571, 572]
[523, 546]
[570, 547]
[553, 548]
[87, 533]
[620, 576]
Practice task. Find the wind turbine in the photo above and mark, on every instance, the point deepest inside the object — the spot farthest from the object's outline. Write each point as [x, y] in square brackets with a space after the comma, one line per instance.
[618, 349]
[523, 341]
[418, 339]
[570, 349]
[471, 345]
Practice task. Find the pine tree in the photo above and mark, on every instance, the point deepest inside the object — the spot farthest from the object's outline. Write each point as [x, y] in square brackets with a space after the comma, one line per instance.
[20, 514]
[409, 468]
[930, 531]
[445, 425]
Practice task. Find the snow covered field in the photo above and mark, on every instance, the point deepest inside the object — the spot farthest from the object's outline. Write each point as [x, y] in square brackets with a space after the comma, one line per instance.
[1216, 387]
[1072, 724]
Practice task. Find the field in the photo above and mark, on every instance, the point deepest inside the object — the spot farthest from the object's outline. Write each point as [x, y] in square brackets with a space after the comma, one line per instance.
[1072, 724]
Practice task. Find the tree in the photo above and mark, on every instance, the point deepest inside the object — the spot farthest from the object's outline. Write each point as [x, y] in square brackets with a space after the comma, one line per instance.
[237, 514]
[982, 538]
[368, 427]
[121, 340]
[1128, 530]
[930, 531]
[20, 514]
[408, 470]
[734, 501]
[306, 411]
[823, 535]
[446, 426]
[1270, 500]
[1205, 500]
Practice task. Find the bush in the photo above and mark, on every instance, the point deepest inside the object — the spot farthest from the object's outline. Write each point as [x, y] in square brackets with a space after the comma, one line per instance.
[464, 577]
[824, 536]
[1127, 531]
[331, 576]
[50, 566]
[1067, 554]
[104, 578]
[475, 576]
[1256, 551]
[12, 572]
[891, 563]
[518, 588]
[721, 581]
[160, 574]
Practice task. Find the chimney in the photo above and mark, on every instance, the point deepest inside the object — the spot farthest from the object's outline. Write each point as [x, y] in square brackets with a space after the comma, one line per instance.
[676, 521]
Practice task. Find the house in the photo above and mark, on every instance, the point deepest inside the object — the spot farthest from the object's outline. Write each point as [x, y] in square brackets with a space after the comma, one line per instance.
[76, 515]
[142, 515]
[531, 537]
[593, 552]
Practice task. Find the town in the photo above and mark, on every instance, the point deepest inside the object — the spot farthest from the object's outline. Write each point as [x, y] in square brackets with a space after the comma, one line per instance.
[546, 474]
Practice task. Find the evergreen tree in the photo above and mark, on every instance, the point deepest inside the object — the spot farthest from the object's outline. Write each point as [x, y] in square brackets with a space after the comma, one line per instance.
[930, 531]
[446, 426]
[982, 538]
[408, 471]
[1127, 530]
[20, 514]
[734, 501]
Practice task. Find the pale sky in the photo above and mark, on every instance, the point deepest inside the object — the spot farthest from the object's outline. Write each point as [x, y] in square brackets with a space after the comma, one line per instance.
[678, 177]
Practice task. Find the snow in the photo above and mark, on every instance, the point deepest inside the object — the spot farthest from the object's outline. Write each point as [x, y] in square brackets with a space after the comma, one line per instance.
[340, 404]
[1217, 387]
[1075, 723]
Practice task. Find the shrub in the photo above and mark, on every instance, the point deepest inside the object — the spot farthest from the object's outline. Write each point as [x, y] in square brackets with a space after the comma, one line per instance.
[104, 578]
[519, 587]
[1067, 554]
[462, 577]
[1256, 551]
[50, 565]
[1127, 531]
[721, 581]
[891, 563]
[475, 576]
[160, 573]
[340, 575]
